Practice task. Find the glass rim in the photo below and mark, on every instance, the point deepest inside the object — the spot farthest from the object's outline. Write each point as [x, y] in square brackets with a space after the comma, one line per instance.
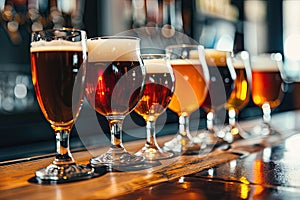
[183, 46]
[114, 37]
[155, 54]
[59, 29]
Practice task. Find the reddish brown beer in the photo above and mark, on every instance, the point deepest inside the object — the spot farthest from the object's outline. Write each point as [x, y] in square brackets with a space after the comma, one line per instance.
[114, 88]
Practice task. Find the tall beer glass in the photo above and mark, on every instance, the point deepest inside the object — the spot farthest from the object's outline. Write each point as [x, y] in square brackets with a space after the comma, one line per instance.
[159, 89]
[267, 80]
[240, 96]
[58, 59]
[192, 76]
[115, 84]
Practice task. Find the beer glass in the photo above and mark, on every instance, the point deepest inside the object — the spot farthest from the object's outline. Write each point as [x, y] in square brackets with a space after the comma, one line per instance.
[192, 76]
[158, 92]
[221, 86]
[114, 85]
[58, 59]
[240, 95]
[267, 80]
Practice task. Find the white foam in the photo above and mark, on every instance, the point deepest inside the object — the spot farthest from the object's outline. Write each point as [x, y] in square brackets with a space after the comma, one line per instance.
[157, 66]
[264, 63]
[117, 49]
[185, 62]
[55, 45]
[238, 64]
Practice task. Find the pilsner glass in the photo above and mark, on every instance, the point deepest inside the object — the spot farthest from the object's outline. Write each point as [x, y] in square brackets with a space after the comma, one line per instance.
[192, 76]
[221, 86]
[267, 80]
[240, 96]
[158, 92]
[115, 84]
[58, 60]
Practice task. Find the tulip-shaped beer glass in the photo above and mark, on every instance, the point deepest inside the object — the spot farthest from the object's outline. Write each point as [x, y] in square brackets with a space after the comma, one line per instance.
[58, 60]
[192, 76]
[158, 92]
[114, 85]
[267, 80]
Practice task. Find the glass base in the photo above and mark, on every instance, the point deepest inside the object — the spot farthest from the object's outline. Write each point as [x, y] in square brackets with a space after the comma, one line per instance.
[64, 173]
[153, 153]
[181, 144]
[261, 130]
[116, 158]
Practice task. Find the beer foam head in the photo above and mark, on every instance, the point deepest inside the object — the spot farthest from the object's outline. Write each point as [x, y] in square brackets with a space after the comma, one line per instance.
[157, 65]
[238, 64]
[185, 62]
[216, 57]
[264, 63]
[55, 45]
[109, 49]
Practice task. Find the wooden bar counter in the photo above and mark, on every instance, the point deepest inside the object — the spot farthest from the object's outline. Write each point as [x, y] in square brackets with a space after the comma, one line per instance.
[251, 169]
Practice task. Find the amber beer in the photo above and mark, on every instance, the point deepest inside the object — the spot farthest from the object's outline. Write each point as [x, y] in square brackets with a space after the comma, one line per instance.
[240, 96]
[54, 70]
[158, 90]
[190, 86]
[266, 83]
[221, 82]
[113, 80]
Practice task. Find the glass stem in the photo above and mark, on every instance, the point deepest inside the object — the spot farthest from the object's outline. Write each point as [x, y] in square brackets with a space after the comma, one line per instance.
[266, 113]
[63, 154]
[116, 133]
[184, 126]
[150, 130]
[232, 116]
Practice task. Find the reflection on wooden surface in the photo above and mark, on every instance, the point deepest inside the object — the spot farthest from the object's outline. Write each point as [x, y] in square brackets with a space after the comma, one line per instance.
[268, 170]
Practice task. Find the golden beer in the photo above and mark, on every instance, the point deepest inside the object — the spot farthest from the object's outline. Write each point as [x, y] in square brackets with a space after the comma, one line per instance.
[190, 86]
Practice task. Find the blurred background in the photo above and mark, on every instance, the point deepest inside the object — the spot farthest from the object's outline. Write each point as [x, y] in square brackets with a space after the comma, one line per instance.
[253, 25]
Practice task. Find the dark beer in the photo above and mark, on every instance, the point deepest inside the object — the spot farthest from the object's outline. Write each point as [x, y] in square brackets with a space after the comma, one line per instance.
[221, 82]
[54, 71]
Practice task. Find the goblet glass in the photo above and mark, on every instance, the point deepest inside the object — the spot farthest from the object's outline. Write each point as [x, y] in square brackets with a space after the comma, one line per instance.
[240, 96]
[221, 86]
[58, 59]
[192, 76]
[158, 92]
[267, 80]
[114, 85]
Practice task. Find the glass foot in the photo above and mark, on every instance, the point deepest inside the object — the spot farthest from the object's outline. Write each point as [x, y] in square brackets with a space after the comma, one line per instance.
[64, 173]
[153, 153]
[116, 158]
[181, 144]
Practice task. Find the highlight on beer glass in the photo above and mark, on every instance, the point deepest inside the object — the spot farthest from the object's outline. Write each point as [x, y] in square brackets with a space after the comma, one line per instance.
[114, 85]
[267, 80]
[159, 89]
[58, 59]
[240, 95]
[221, 86]
[192, 76]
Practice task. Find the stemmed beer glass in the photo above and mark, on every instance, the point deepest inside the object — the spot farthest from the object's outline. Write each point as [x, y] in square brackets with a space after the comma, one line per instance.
[114, 85]
[221, 86]
[240, 96]
[58, 59]
[160, 82]
[267, 80]
[192, 76]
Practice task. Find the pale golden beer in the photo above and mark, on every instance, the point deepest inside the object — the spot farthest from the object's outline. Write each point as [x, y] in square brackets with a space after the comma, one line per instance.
[190, 86]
